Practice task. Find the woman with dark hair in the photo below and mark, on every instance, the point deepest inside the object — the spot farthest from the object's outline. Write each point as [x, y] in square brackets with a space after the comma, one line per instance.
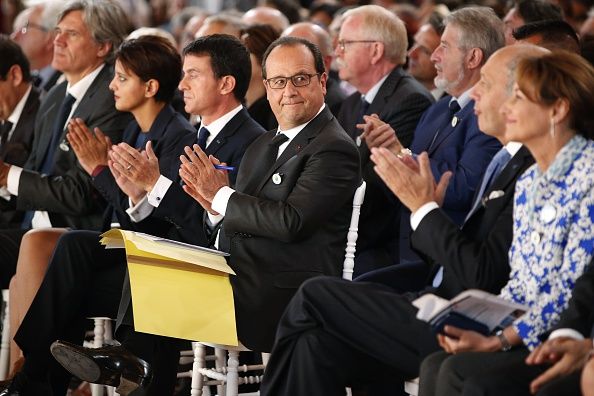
[550, 112]
[147, 72]
[257, 38]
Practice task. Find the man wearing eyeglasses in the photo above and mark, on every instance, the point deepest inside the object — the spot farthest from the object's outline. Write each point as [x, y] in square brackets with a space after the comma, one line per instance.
[33, 31]
[371, 51]
[288, 216]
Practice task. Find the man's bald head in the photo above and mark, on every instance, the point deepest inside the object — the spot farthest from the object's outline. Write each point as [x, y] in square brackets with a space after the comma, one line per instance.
[314, 34]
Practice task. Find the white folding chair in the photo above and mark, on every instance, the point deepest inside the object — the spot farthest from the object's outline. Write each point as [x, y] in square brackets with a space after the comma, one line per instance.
[5, 341]
[226, 376]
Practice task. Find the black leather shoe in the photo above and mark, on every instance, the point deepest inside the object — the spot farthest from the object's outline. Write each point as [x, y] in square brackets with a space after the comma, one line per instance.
[110, 365]
[21, 385]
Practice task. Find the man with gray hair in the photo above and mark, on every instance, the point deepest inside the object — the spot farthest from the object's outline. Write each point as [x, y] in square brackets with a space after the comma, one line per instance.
[320, 37]
[371, 51]
[33, 31]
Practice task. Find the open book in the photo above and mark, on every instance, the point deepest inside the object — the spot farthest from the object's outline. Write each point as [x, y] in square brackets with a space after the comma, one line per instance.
[471, 310]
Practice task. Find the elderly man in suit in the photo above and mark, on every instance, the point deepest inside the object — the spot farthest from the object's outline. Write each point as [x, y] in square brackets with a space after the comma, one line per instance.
[19, 102]
[88, 277]
[370, 53]
[336, 333]
[52, 189]
[291, 201]
[448, 130]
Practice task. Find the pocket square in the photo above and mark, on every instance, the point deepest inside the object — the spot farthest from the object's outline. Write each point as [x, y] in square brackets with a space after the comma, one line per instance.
[495, 194]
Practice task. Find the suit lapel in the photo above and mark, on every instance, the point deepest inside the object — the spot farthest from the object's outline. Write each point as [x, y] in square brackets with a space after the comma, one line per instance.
[87, 104]
[510, 173]
[298, 144]
[227, 132]
[447, 129]
[49, 116]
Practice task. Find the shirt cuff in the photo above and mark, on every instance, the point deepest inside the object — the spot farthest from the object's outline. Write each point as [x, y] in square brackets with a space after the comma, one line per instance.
[155, 196]
[14, 177]
[221, 199]
[569, 333]
[140, 211]
[419, 214]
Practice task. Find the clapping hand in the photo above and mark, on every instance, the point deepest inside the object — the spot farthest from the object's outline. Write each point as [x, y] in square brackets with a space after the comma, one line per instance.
[91, 150]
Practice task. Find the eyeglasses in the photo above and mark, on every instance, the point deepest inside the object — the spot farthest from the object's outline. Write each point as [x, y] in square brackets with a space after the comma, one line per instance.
[298, 80]
[343, 43]
[31, 25]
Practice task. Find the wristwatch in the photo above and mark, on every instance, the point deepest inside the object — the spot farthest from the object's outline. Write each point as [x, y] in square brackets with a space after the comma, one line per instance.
[505, 345]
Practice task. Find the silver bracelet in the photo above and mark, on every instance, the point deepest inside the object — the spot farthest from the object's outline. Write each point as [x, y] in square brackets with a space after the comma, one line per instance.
[505, 345]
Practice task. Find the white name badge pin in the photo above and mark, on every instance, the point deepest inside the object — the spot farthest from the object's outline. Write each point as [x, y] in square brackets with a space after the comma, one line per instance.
[277, 178]
[548, 213]
[454, 121]
[358, 141]
[64, 146]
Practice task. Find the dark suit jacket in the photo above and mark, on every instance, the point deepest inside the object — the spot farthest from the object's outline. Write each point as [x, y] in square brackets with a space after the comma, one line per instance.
[16, 151]
[169, 133]
[282, 234]
[68, 194]
[477, 255]
[179, 216]
[579, 315]
[335, 96]
[400, 102]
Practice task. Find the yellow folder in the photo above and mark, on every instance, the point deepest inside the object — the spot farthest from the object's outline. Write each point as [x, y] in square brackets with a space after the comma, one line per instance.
[178, 290]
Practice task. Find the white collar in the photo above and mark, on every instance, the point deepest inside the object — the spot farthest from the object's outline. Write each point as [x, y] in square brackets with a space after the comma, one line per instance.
[18, 109]
[463, 99]
[370, 95]
[291, 133]
[79, 89]
[513, 147]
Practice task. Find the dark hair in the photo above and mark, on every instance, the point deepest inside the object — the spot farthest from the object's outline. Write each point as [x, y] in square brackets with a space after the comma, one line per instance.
[436, 22]
[587, 48]
[257, 38]
[293, 42]
[537, 10]
[228, 57]
[289, 8]
[561, 75]
[554, 34]
[327, 8]
[12, 54]
[152, 57]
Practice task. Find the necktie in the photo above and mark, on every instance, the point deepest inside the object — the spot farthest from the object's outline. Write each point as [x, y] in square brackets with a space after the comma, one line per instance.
[454, 106]
[363, 110]
[59, 124]
[5, 129]
[493, 170]
[269, 156]
[203, 134]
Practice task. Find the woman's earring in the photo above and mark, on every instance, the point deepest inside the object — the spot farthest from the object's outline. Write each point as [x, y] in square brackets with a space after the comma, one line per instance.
[552, 128]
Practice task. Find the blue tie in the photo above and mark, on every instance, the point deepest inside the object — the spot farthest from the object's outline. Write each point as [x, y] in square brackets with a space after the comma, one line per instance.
[203, 134]
[493, 170]
[363, 109]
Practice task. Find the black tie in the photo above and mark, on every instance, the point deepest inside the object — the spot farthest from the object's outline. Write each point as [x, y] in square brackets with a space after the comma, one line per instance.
[363, 110]
[454, 106]
[59, 124]
[5, 129]
[202, 137]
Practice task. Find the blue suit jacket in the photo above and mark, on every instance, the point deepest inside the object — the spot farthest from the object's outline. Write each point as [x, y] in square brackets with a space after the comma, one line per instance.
[462, 149]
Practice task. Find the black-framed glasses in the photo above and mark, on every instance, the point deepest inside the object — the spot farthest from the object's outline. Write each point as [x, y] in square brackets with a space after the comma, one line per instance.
[298, 80]
[31, 25]
[343, 43]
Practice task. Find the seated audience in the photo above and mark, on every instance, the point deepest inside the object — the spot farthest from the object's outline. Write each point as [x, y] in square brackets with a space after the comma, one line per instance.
[19, 102]
[550, 112]
[330, 335]
[266, 16]
[267, 222]
[51, 187]
[143, 84]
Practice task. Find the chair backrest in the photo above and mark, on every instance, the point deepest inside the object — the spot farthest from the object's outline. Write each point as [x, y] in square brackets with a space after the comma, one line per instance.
[349, 257]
